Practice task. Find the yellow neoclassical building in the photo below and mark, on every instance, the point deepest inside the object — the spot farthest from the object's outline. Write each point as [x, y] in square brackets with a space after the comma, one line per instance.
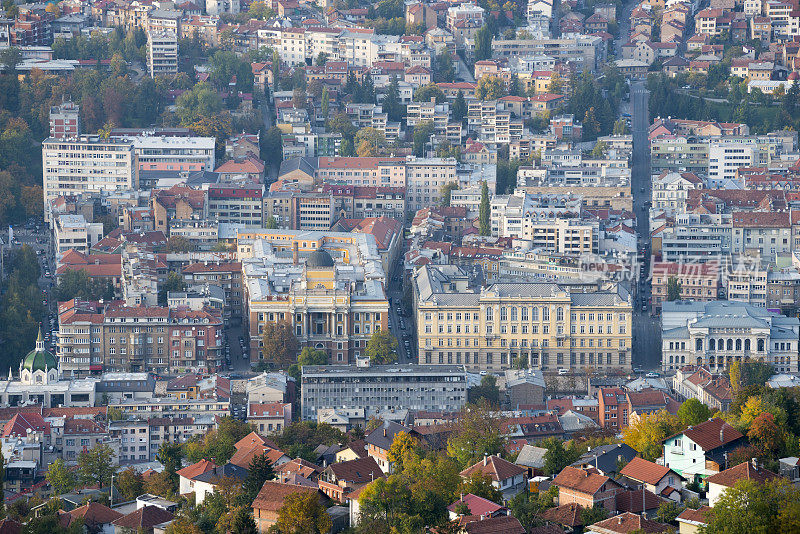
[548, 325]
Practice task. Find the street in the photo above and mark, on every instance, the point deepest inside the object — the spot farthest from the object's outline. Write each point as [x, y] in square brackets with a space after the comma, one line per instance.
[646, 329]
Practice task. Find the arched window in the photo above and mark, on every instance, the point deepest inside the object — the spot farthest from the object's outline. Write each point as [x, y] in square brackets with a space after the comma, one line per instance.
[559, 314]
[747, 344]
[738, 344]
[698, 344]
[712, 344]
[730, 344]
[760, 345]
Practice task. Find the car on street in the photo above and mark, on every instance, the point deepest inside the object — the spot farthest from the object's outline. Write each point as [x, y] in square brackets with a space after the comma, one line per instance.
[652, 375]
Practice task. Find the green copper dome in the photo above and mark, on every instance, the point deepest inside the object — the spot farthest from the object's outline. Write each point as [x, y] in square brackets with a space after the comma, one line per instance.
[39, 359]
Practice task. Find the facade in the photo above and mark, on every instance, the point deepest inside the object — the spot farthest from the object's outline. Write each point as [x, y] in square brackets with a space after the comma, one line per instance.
[698, 281]
[717, 333]
[383, 387]
[542, 323]
[236, 204]
[65, 122]
[72, 232]
[162, 53]
[87, 164]
[333, 305]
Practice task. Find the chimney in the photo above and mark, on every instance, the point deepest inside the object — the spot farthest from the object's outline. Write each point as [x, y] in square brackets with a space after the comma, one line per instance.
[295, 253]
[722, 434]
[484, 459]
[384, 432]
[754, 462]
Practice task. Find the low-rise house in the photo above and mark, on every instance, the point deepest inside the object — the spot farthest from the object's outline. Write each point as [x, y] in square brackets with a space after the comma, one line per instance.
[96, 518]
[691, 521]
[658, 479]
[269, 417]
[607, 459]
[340, 478]
[701, 450]
[532, 459]
[717, 484]
[505, 476]
[478, 506]
[379, 440]
[188, 475]
[628, 522]
[270, 500]
[586, 487]
[142, 520]
[504, 524]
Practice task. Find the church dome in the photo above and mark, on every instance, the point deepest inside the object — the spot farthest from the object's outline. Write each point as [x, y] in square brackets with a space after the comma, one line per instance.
[39, 359]
[319, 258]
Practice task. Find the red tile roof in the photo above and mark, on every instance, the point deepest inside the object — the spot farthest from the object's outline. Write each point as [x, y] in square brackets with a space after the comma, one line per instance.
[641, 470]
[628, 522]
[568, 515]
[742, 471]
[504, 524]
[94, 514]
[272, 495]
[495, 467]
[196, 469]
[477, 505]
[19, 425]
[271, 409]
[586, 481]
[698, 517]
[707, 434]
[144, 518]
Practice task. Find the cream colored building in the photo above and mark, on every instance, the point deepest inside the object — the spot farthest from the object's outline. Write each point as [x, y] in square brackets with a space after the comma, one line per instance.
[542, 323]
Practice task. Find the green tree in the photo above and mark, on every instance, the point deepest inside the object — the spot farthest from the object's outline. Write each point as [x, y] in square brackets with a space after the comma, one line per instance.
[557, 456]
[483, 43]
[259, 471]
[279, 344]
[326, 101]
[592, 515]
[481, 485]
[391, 101]
[369, 142]
[488, 390]
[271, 223]
[490, 88]
[217, 445]
[673, 289]
[752, 508]
[459, 107]
[693, 412]
[422, 134]
[446, 192]
[272, 147]
[428, 92]
[308, 356]
[599, 150]
[444, 68]
[382, 348]
[243, 522]
[173, 283]
[475, 434]
[484, 211]
[302, 512]
[170, 456]
[129, 483]
[322, 58]
[95, 467]
[621, 128]
[60, 477]
[668, 511]
[177, 243]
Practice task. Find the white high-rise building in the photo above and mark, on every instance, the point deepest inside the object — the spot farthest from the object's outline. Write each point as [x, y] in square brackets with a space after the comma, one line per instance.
[162, 53]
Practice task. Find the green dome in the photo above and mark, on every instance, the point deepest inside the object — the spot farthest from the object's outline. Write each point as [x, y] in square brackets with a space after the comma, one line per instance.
[38, 359]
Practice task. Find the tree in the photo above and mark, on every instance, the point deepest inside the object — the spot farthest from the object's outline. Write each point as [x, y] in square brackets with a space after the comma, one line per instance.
[259, 471]
[271, 223]
[668, 511]
[129, 483]
[750, 507]
[177, 243]
[646, 434]
[184, 524]
[173, 283]
[403, 445]
[60, 477]
[382, 348]
[217, 445]
[459, 107]
[592, 515]
[94, 466]
[483, 43]
[302, 512]
[484, 213]
[326, 101]
[621, 128]
[599, 150]
[673, 289]
[765, 434]
[369, 142]
[693, 412]
[488, 390]
[279, 344]
[243, 522]
[490, 88]
[444, 67]
[481, 485]
[428, 92]
[447, 189]
[170, 455]
[272, 146]
[422, 134]
[475, 434]
[557, 456]
[391, 101]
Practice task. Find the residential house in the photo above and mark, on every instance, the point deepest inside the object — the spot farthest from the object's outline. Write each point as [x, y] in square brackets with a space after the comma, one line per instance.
[340, 478]
[509, 478]
[379, 440]
[717, 484]
[701, 450]
[658, 479]
[270, 500]
[586, 487]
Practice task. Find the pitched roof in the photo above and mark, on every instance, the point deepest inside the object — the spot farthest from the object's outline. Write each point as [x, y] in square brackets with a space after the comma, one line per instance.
[695, 517]
[358, 471]
[9, 526]
[477, 505]
[745, 470]
[383, 436]
[19, 424]
[94, 513]
[708, 433]
[582, 480]
[143, 518]
[495, 467]
[568, 515]
[254, 438]
[632, 501]
[627, 522]
[504, 524]
[643, 471]
[197, 469]
[272, 495]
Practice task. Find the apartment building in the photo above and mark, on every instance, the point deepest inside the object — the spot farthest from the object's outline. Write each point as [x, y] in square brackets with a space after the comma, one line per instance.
[545, 324]
[747, 282]
[671, 189]
[239, 204]
[87, 164]
[586, 52]
[463, 22]
[329, 286]
[162, 53]
[358, 202]
[726, 156]
[425, 178]
[95, 337]
[764, 233]
[695, 239]
[171, 152]
[65, 121]
[226, 275]
[73, 232]
[679, 154]
[717, 333]
[376, 171]
[492, 122]
[380, 388]
[697, 281]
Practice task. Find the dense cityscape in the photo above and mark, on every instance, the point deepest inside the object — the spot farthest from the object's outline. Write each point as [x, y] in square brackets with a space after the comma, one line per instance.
[402, 267]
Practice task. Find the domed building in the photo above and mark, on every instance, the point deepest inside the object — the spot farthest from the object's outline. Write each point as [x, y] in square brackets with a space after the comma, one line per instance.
[39, 366]
[319, 259]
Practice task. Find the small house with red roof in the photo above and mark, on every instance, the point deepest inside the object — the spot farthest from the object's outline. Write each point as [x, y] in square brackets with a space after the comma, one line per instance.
[269, 417]
[719, 483]
[509, 478]
[477, 506]
[700, 450]
[586, 487]
[654, 477]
